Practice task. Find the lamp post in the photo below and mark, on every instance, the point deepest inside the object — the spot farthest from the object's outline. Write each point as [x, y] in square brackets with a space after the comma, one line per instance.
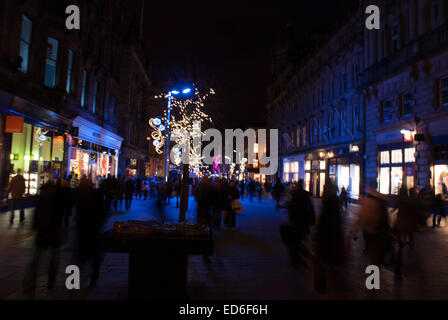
[168, 117]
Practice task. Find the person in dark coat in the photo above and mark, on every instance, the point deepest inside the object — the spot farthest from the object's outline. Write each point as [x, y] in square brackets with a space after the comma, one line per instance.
[277, 192]
[232, 193]
[118, 192]
[301, 217]
[329, 236]
[129, 189]
[202, 194]
[90, 215]
[47, 222]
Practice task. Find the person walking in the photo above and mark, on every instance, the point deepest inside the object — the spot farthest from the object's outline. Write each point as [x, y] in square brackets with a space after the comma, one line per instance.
[17, 189]
[90, 215]
[232, 195]
[129, 190]
[118, 191]
[344, 199]
[277, 192]
[145, 188]
[138, 187]
[47, 222]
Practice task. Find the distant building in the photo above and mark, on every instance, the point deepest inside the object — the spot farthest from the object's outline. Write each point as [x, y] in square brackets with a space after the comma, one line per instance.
[63, 105]
[368, 109]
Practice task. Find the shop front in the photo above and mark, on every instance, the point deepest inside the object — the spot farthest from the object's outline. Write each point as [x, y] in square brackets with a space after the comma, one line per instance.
[344, 169]
[396, 167]
[294, 168]
[38, 153]
[315, 173]
[33, 140]
[439, 169]
[94, 151]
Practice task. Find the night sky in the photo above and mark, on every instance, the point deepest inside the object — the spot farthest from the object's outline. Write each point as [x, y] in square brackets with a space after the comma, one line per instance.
[228, 45]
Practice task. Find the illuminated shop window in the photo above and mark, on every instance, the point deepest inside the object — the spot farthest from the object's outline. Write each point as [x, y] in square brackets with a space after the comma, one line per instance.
[384, 180]
[397, 156]
[308, 165]
[384, 157]
[409, 155]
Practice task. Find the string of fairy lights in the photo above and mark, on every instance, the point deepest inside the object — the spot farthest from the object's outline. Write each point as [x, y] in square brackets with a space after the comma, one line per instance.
[186, 117]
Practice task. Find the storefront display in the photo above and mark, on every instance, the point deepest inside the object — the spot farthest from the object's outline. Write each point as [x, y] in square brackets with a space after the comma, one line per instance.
[396, 167]
[93, 151]
[39, 154]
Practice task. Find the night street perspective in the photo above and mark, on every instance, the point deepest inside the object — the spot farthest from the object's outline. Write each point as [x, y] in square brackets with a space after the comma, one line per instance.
[199, 151]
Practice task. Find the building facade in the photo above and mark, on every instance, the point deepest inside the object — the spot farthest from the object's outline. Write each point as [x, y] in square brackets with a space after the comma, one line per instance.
[61, 90]
[390, 89]
[318, 109]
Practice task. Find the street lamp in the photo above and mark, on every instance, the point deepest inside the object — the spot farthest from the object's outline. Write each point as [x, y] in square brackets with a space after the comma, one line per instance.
[167, 149]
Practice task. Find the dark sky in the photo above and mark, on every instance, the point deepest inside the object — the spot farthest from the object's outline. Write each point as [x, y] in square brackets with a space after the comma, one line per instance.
[228, 45]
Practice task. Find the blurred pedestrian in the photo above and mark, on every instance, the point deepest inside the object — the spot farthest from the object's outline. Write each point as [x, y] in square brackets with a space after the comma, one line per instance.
[301, 217]
[344, 198]
[373, 220]
[145, 188]
[17, 189]
[129, 191]
[90, 215]
[47, 223]
[118, 192]
[277, 192]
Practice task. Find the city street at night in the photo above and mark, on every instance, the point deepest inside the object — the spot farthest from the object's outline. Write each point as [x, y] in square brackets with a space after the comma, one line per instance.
[248, 262]
[223, 159]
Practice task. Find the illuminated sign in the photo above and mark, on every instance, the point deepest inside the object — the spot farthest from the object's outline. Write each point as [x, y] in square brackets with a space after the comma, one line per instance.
[408, 135]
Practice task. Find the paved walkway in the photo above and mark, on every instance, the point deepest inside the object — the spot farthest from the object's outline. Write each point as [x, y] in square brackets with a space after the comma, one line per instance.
[249, 263]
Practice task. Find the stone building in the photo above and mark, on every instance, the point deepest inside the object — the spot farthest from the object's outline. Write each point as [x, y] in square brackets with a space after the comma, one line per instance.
[406, 89]
[61, 91]
[317, 107]
[396, 76]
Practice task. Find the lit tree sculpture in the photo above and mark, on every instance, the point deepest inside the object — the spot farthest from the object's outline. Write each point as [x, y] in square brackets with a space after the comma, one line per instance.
[185, 125]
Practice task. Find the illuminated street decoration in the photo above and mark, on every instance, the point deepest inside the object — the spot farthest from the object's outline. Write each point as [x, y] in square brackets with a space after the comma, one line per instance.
[157, 136]
[184, 121]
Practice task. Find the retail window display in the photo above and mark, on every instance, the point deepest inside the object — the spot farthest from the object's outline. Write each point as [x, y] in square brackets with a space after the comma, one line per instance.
[440, 174]
[398, 171]
[92, 160]
[39, 153]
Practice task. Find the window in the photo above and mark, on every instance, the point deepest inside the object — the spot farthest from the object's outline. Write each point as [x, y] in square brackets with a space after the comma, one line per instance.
[355, 72]
[356, 121]
[407, 100]
[25, 42]
[342, 122]
[68, 85]
[299, 138]
[444, 89]
[112, 109]
[83, 90]
[384, 157]
[330, 125]
[395, 38]
[95, 95]
[331, 89]
[308, 165]
[409, 155]
[386, 111]
[51, 62]
[343, 82]
[304, 135]
[397, 156]
[384, 180]
[106, 107]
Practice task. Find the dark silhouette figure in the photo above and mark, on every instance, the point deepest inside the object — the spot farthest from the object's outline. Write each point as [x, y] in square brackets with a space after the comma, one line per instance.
[17, 188]
[344, 198]
[129, 190]
[90, 215]
[47, 223]
[301, 217]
